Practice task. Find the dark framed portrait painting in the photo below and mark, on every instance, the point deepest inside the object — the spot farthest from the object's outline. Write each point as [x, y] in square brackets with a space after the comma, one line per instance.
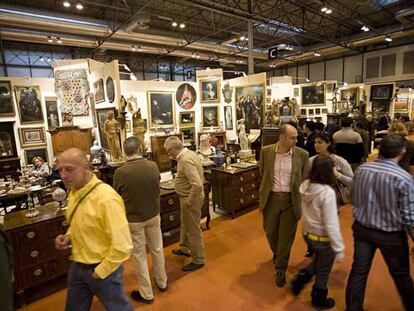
[210, 90]
[382, 91]
[161, 109]
[250, 105]
[29, 104]
[6, 100]
[32, 136]
[187, 118]
[313, 94]
[351, 95]
[38, 152]
[7, 140]
[98, 87]
[188, 134]
[51, 113]
[101, 116]
[110, 89]
[228, 117]
[185, 96]
[210, 116]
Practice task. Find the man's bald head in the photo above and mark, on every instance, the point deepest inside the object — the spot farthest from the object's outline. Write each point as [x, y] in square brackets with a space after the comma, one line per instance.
[287, 137]
[74, 168]
[75, 155]
[286, 129]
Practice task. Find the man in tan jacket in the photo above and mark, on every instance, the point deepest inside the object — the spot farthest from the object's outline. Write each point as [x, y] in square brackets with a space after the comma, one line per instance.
[283, 167]
[189, 186]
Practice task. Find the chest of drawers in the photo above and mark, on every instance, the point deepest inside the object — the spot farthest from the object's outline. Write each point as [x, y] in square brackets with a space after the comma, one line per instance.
[37, 264]
[235, 189]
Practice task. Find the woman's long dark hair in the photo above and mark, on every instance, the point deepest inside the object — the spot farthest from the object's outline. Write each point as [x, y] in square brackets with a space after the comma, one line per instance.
[322, 171]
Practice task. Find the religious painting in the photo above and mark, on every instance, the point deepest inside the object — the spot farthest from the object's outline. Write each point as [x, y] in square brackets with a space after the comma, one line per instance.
[187, 118]
[6, 100]
[313, 94]
[101, 116]
[7, 141]
[383, 91]
[132, 105]
[29, 104]
[228, 117]
[250, 105]
[99, 92]
[185, 96]
[210, 91]
[161, 109]
[32, 136]
[31, 153]
[210, 116]
[72, 89]
[401, 104]
[351, 95]
[188, 134]
[227, 93]
[110, 89]
[51, 113]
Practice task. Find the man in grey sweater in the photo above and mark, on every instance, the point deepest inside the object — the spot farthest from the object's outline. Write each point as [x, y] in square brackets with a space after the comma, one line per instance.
[138, 182]
[189, 186]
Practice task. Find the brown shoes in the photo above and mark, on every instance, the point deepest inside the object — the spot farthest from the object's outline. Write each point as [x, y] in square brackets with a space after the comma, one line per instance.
[179, 252]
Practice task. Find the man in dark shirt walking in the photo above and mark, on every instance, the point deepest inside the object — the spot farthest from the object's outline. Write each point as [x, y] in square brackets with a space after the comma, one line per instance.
[383, 208]
[138, 182]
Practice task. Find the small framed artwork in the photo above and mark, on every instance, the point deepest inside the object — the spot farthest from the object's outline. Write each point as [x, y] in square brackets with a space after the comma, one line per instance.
[6, 100]
[101, 116]
[99, 91]
[296, 92]
[187, 118]
[324, 111]
[268, 100]
[317, 111]
[29, 104]
[185, 96]
[31, 153]
[383, 91]
[161, 109]
[210, 91]
[32, 136]
[401, 104]
[7, 141]
[67, 119]
[188, 134]
[330, 87]
[313, 94]
[210, 116]
[128, 126]
[268, 92]
[268, 81]
[303, 112]
[51, 113]
[228, 117]
[310, 112]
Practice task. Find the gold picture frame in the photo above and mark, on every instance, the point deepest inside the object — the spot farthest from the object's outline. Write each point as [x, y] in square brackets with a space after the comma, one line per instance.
[161, 109]
[186, 118]
[32, 136]
[210, 116]
[210, 90]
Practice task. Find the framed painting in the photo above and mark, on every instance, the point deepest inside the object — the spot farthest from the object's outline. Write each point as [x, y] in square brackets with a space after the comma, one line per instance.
[187, 118]
[32, 136]
[161, 109]
[352, 95]
[7, 141]
[188, 134]
[210, 91]
[324, 111]
[98, 87]
[110, 89]
[51, 113]
[185, 96]
[29, 104]
[311, 112]
[6, 100]
[296, 92]
[383, 91]
[313, 95]
[210, 116]
[269, 92]
[128, 126]
[303, 112]
[401, 104]
[317, 111]
[228, 117]
[101, 116]
[39, 152]
[330, 87]
[250, 105]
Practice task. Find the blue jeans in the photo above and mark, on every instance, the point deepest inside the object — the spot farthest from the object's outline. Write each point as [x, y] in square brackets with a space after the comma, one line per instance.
[82, 286]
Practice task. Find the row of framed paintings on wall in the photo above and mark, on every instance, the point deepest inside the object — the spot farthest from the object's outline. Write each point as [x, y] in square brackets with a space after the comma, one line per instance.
[313, 111]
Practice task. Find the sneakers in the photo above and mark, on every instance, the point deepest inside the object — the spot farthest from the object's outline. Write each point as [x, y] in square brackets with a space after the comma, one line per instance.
[136, 296]
[179, 252]
[280, 278]
[192, 266]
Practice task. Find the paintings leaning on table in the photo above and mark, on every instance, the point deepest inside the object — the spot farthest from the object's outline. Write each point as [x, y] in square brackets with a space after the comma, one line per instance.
[72, 88]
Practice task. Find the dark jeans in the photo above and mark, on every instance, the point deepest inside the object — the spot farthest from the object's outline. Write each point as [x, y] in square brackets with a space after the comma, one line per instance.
[82, 286]
[394, 249]
[322, 264]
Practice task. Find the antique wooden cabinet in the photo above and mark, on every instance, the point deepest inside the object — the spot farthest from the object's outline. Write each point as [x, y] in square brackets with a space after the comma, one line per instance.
[235, 189]
[159, 155]
[9, 167]
[71, 136]
[39, 269]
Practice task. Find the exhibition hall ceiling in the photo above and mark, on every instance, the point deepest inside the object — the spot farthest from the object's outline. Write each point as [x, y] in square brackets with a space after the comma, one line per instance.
[212, 31]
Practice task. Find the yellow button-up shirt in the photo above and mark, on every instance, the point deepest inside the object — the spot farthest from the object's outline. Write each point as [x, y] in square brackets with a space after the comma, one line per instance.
[99, 229]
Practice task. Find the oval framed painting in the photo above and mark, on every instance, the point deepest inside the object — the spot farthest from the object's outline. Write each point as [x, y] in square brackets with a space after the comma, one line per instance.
[186, 96]
[110, 89]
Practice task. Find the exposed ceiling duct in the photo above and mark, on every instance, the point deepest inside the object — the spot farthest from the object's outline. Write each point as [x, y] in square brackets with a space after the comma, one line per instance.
[406, 16]
[141, 22]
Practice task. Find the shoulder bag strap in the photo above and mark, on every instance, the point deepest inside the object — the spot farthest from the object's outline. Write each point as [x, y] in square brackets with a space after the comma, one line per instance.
[81, 199]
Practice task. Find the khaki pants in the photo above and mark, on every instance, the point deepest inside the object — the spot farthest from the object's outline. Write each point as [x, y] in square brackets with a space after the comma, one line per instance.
[191, 237]
[279, 223]
[148, 231]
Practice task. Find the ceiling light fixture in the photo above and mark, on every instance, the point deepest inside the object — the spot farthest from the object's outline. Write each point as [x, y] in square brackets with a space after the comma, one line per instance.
[316, 54]
[324, 9]
[197, 55]
[79, 6]
[242, 38]
[41, 58]
[365, 28]
[139, 48]
[174, 24]
[49, 59]
[58, 40]
[66, 4]
[182, 25]
[133, 48]
[388, 39]
[49, 39]
[193, 55]
[328, 11]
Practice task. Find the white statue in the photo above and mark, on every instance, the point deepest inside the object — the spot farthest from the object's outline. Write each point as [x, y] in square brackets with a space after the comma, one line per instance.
[205, 150]
[244, 143]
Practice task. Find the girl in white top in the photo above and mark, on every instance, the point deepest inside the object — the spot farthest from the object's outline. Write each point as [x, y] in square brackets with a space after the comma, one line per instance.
[321, 230]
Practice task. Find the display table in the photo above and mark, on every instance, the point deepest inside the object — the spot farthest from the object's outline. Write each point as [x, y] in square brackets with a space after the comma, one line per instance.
[235, 189]
[39, 269]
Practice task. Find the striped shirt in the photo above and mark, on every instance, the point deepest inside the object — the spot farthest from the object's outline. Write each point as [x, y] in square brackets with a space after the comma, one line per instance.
[383, 196]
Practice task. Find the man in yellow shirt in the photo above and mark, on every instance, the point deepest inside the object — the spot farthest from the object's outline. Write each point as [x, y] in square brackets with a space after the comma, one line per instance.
[98, 235]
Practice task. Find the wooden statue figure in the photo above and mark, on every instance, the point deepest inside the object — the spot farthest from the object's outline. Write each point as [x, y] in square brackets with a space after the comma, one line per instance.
[138, 126]
[111, 129]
